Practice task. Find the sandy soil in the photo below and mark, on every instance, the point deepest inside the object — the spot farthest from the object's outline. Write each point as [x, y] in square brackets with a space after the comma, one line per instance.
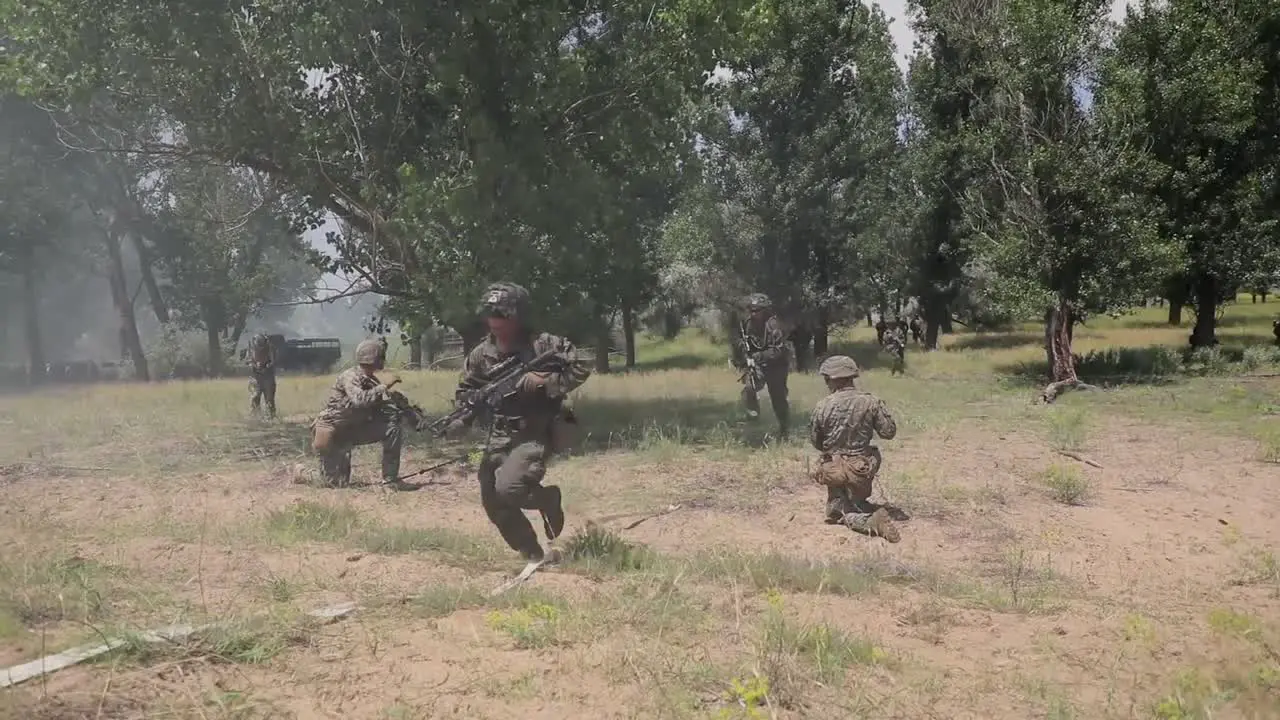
[1086, 611]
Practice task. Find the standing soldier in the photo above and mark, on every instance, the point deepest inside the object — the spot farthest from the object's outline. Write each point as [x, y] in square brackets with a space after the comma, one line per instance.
[895, 343]
[842, 427]
[917, 329]
[362, 410]
[262, 378]
[522, 434]
[761, 353]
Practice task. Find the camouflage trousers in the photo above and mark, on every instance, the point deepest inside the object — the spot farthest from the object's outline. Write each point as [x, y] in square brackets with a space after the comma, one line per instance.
[899, 354]
[850, 504]
[510, 482]
[775, 383]
[263, 385]
[335, 442]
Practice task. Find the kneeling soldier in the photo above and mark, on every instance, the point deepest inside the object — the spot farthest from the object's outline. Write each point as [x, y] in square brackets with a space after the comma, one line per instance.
[361, 410]
[841, 428]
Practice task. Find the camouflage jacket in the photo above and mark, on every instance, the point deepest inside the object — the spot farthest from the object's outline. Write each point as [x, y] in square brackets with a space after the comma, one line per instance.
[768, 345]
[844, 422]
[895, 339]
[261, 358]
[354, 398]
[527, 415]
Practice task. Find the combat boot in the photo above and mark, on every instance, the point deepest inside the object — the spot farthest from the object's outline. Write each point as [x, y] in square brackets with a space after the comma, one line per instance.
[552, 512]
[878, 524]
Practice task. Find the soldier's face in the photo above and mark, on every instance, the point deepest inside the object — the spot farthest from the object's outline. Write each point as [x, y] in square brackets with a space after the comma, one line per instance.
[503, 329]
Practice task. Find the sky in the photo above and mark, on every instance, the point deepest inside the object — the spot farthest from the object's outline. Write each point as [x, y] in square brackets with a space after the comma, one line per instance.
[899, 29]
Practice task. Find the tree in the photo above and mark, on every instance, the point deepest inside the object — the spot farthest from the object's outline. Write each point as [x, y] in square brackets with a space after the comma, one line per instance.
[453, 143]
[951, 75]
[809, 130]
[34, 210]
[1060, 213]
[1200, 85]
[221, 236]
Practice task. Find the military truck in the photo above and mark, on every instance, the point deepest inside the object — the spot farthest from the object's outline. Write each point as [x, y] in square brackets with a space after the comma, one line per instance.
[311, 355]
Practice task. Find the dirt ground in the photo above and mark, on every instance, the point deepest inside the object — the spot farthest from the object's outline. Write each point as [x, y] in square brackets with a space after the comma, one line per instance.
[1126, 570]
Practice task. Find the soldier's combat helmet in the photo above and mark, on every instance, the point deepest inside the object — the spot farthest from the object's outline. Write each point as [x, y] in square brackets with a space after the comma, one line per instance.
[837, 367]
[369, 352]
[259, 341]
[758, 301]
[505, 300]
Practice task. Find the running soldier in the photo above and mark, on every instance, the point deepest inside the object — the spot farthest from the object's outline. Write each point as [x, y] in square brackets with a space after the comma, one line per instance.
[262, 378]
[842, 427]
[524, 433]
[895, 343]
[760, 352]
[363, 410]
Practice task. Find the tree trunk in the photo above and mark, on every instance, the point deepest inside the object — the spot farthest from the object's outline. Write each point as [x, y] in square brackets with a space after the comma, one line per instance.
[671, 324]
[1057, 346]
[802, 342]
[145, 267]
[472, 334]
[947, 328]
[238, 330]
[31, 323]
[821, 334]
[1175, 313]
[629, 333]
[603, 339]
[937, 317]
[214, 343]
[130, 340]
[869, 323]
[415, 351]
[1204, 333]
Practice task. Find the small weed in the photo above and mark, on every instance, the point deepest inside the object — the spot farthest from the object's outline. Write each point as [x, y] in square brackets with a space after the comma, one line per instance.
[244, 641]
[751, 697]
[1260, 567]
[442, 600]
[280, 590]
[534, 624]
[1234, 624]
[453, 546]
[306, 521]
[598, 549]
[520, 687]
[790, 574]
[37, 590]
[794, 655]
[1269, 444]
[1067, 484]
[1138, 629]
[1068, 427]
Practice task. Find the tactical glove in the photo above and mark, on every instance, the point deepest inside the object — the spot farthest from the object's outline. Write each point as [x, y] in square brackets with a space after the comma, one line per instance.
[532, 381]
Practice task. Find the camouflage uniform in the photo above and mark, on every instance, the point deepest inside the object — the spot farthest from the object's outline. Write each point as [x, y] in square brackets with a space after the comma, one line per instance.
[895, 342]
[917, 329]
[767, 345]
[520, 438]
[262, 380]
[1275, 330]
[360, 411]
[842, 427]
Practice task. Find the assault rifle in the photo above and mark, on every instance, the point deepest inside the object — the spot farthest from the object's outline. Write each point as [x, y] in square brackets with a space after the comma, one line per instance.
[500, 383]
[751, 374]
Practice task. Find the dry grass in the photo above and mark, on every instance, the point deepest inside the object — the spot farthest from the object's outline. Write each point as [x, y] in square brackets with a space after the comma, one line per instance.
[129, 507]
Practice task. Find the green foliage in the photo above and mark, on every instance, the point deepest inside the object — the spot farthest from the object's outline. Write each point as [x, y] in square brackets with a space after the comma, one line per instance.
[1195, 89]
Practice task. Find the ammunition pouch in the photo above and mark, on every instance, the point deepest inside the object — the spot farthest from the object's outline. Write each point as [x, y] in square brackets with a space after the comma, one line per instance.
[855, 472]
